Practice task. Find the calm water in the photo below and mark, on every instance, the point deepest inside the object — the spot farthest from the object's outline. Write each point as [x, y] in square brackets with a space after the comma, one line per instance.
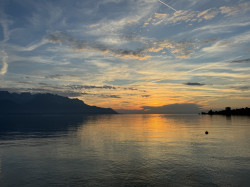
[124, 150]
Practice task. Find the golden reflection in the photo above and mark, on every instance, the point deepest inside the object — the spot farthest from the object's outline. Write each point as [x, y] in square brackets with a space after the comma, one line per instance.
[156, 136]
[142, 130]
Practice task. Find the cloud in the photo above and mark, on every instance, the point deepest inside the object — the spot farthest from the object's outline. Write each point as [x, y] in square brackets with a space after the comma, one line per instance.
[182, 49]
[59, 76]
[128, 14]
[226, 45]
[242, 88]
[109, 96]
[112, 26]
[105, 87]
[45, 14]
[41, 90]
[121, 82]
[130, 89]
[4, 68]
[197, 16]
[210, 40]
[66, 91]
[207, 14]
[168, 6]
[5, 23]
[242, 61]
[235, 9]
[105, 91]
[193, 84]
[181, 16]
[77, 87]
[81, 45]
[55, 76]
[177, 17]
[218, 28]
[183, 108]
[146, 96]
[33, 46]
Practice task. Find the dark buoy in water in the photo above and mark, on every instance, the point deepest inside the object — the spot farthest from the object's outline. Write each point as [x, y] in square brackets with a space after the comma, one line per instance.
[206, 132]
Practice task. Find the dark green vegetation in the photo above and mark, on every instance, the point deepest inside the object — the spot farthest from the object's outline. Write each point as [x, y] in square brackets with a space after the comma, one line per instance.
[27, 103]
[228, 111]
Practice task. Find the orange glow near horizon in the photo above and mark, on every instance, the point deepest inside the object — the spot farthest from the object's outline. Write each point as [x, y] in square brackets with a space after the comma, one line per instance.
[129, 61]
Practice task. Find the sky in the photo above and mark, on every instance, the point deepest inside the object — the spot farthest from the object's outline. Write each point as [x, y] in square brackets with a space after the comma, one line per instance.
[130, 55]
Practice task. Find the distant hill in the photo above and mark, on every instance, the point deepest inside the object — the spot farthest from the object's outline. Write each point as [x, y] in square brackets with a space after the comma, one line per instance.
[27, 103]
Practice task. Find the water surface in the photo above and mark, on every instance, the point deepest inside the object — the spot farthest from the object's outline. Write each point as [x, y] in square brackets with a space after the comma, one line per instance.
[124, 150]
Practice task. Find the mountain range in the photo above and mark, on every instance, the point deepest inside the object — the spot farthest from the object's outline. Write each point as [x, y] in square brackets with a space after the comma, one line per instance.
[27, 103]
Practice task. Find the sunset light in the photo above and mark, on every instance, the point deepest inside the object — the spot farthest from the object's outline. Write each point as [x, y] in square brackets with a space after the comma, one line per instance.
[128, 54]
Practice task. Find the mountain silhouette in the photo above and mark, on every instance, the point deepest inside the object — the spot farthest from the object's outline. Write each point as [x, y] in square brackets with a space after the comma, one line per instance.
[27, 103]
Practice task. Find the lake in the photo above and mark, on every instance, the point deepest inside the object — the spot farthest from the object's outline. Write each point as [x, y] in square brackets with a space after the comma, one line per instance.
[125, 150]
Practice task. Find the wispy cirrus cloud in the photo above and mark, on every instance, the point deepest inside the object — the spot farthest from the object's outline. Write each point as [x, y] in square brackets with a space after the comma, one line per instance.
[207, 14]
[190, 16]
[220, 28]
[235, 9]
[226, 45]
[5, 23]
[82, 45]
[112, 27]
[127, 21]
[182, 49]
[4, 68]
[177, 17]
[89, 49]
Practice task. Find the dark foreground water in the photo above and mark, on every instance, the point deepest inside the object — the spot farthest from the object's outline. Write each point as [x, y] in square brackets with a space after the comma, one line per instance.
[124, 150]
